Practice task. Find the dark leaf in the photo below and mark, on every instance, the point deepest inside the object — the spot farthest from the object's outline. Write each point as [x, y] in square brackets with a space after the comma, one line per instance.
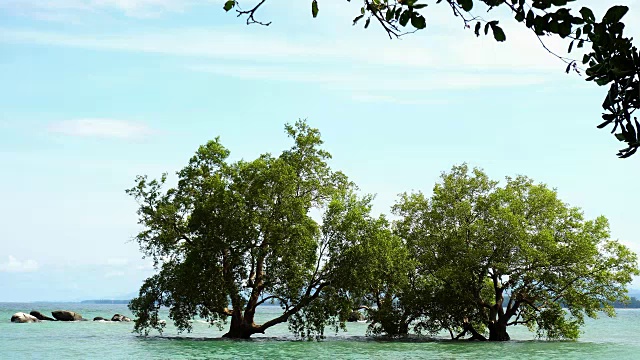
[629, 151]
[564, 29]
[314, 8]
[229, 5]
[614, 14]
[466, 5]
[530, 19]
[404, 18]
[389, 15]
[587, 15]
[498, 33]
[604, 124]
[418, 21]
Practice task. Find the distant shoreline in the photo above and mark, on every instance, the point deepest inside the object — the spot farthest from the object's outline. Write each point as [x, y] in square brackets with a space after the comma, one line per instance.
[634, 303]
[105, 301]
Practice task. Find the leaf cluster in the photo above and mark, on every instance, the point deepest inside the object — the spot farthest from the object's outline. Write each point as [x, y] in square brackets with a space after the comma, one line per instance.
[613, 59]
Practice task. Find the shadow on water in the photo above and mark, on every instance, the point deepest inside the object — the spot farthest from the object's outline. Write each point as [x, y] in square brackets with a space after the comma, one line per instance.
[353, 338]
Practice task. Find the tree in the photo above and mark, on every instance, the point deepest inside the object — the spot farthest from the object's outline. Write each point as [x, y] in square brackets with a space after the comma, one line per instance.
[613, 60]
[232, 236]
[482, 242]
[374, 270]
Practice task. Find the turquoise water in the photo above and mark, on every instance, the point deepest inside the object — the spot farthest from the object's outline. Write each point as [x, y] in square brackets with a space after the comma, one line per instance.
[617, 338]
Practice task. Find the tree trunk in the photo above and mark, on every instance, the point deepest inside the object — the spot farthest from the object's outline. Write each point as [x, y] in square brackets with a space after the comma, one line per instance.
[468, 328]
[498, 332]
[241, 329]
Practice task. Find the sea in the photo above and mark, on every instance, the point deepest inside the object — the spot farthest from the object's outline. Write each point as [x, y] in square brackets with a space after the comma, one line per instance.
[603, 338]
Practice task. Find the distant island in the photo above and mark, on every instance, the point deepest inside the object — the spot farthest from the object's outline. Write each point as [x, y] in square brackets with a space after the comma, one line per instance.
[634, 303]
[105, 301]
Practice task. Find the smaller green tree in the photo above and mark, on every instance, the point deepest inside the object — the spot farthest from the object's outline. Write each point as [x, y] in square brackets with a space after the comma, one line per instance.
[481, 243]
[373, 268]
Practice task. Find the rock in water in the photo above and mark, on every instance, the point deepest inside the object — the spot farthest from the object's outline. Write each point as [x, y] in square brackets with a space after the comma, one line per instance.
[65, 315]
[118, 317]
[100, 318]
[21, 317]
[38, 315]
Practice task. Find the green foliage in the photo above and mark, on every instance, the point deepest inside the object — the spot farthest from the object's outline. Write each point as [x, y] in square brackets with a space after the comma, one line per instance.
[481, 241]
[371, 267]
[612, 61]
[473, 257]
[234, 235]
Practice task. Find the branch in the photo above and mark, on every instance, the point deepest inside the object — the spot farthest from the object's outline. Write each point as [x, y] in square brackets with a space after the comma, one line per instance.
[285, 316]
[530, 303]
[264, 300]
[251, 13]
[467, 327]
[391, 29]
[564, 59]
[521, 322]
[564, 288]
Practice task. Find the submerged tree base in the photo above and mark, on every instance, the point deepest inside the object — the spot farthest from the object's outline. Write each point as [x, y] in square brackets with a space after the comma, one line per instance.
[498, 332]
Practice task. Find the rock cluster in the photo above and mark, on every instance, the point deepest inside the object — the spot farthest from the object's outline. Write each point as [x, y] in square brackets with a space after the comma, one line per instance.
[118, 317]
[66, 315]
[61, 315]
[38, 315]
[21, 317]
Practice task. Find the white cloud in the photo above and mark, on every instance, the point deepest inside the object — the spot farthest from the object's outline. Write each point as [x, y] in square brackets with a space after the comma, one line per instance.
[56, 9]
[111, 274]
[117, 261]
[453, 57]
[363, 82]
[377, 98]
[106, 128]
[469, 52]
[14, 265]
[345, 64]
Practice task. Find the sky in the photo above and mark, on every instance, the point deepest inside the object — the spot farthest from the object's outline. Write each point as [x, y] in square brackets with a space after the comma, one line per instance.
[95, 92]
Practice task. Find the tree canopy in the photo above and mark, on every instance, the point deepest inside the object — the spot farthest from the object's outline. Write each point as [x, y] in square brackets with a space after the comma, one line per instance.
[612, 61]
[235, 235]
[480, 242]
[287, 229]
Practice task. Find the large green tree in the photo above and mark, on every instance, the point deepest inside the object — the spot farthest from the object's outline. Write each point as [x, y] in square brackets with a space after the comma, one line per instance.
[612, 61]
[482, 243]
[232, 236]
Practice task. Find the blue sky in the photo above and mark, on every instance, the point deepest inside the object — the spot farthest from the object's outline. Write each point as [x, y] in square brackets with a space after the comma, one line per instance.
[95, 92]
